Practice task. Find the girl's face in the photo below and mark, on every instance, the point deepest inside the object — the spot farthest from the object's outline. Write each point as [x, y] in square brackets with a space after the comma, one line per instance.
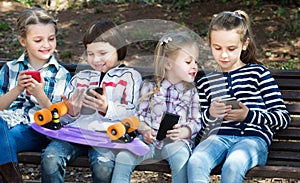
[226, 48]
[102, 56]
[182, 66]
[40, 42]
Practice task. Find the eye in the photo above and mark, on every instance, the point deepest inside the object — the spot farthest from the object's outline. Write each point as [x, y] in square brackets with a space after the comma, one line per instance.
[103, 53]
[37, 40]
[90, 54]
[52, 38]
[217, 48]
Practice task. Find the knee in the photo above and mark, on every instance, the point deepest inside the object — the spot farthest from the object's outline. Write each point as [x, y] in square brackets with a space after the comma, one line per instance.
[125, 157]
[233, 168]
[102, 167]
[51, 162]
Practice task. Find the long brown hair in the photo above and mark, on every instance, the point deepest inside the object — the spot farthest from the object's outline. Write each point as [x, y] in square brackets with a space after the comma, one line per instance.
[240, 21]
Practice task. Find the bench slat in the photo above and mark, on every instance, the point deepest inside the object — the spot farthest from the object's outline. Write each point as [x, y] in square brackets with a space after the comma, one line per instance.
[288, 134]
[275, 171]
[285, 146]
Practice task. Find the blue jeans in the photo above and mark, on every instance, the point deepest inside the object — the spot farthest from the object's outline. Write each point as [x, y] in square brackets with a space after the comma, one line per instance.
[176, 153]
[59, 153]
[239, 154]
[19, 138]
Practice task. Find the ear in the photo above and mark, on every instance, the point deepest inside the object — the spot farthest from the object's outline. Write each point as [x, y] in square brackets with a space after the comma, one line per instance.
[168, 65]
[22, 41]
[245, 45]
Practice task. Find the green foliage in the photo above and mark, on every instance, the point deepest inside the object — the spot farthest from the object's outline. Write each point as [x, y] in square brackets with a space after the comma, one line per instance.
[282, 12]
[26, 2]
[60, 42]
[289, 65]
[66, 55]
[4, 26]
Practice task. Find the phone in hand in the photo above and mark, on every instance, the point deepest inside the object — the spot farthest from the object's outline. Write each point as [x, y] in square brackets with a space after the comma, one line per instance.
[98, 90]
[86, 110]
[35, 75]
[231, 101]
[167, 123]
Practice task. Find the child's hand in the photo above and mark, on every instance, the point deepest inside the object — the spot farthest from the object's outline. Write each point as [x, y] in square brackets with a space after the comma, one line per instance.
[178, 132]
[24, 80]
[147, 132]
[218, 109]
[237, 114]
[97, 101]
[74, 103]
[34, 87]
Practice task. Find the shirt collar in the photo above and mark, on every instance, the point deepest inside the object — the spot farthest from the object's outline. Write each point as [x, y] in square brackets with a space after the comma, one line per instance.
[167, 84]
[52, 61]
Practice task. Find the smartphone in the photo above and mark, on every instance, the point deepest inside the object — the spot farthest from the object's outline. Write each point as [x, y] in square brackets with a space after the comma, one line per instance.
[86, 110]
[98, 90]
[35, 75]
[167, 123]
[231, 101]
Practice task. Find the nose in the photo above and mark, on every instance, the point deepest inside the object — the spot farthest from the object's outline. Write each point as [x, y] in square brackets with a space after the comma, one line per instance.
[97, 58]
[46, 44]
[195, 64]
[224, 54]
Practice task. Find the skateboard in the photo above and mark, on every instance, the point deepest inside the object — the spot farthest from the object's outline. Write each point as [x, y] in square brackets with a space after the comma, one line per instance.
[120, 135]
[50, 118]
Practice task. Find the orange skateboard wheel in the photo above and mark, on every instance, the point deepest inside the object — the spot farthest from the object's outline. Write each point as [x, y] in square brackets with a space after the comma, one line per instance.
[60, 107]
[42, 116]
[116, 131]
[131, 123]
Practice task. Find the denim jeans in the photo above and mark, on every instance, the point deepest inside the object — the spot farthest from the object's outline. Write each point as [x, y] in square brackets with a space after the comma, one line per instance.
[239, 154]
[19, 138]
[176, 153]
[59, 153]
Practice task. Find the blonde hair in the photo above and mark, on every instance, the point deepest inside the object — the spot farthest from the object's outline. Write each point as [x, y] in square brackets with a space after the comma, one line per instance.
[166, 49]
[34, 16]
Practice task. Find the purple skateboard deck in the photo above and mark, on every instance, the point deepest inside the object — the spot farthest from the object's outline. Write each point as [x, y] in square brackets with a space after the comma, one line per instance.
[92, 138]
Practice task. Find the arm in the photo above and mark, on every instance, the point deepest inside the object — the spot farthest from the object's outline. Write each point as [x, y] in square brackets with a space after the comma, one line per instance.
[122, 101]
[277, 116]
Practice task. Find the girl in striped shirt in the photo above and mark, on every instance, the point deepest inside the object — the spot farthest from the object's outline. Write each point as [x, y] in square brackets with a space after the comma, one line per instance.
[239, 137]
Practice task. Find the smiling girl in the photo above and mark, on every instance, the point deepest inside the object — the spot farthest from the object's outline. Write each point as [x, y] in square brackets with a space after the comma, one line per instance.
[21, 95]
[176, 57]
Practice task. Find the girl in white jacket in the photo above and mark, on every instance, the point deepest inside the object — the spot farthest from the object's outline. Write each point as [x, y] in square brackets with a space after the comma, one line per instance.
[105, 47]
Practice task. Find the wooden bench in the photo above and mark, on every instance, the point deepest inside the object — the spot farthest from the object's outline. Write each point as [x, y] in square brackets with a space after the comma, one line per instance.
[284, 155]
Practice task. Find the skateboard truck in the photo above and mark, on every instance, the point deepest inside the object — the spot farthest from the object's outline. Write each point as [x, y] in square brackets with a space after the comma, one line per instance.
[51, 118]
[124, 131]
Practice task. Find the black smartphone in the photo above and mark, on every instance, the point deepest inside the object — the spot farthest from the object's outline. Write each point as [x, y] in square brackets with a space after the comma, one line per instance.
[98, 90]
[86, 110]
[167, 123]
[231, 101]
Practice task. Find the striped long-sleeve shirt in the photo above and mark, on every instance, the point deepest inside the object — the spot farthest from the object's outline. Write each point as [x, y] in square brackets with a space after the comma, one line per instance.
[254, 86]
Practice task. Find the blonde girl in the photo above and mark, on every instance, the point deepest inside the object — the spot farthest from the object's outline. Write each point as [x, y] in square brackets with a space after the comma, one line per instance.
[173, 92]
